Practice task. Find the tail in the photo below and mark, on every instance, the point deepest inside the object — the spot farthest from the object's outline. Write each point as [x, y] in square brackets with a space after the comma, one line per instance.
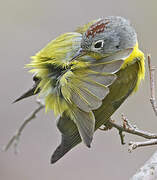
[31, 91]
[67, 143]
[70, 138]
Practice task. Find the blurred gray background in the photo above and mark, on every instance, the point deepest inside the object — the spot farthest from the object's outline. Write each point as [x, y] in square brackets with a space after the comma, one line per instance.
[26, 26]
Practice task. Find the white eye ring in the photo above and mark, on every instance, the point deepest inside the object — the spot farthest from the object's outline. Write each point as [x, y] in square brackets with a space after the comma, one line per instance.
[98, 44]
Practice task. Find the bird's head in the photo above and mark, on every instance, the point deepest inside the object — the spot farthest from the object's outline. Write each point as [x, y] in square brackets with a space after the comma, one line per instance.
[107, 36]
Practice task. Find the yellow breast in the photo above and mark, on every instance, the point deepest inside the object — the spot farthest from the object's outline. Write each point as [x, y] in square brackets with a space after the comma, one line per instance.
[136, 56]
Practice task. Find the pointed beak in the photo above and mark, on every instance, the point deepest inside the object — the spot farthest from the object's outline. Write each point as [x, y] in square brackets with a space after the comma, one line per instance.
[79, 53]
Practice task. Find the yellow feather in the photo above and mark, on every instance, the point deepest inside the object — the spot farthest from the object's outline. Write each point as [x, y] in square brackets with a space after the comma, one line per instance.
[138, 56]
[58, 54]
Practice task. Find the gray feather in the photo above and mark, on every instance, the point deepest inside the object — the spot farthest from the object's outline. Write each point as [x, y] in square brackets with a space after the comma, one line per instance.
[85, 100]
[111, 67]
[119, 55]
[104, 80]
[85, 123]
[99, 91]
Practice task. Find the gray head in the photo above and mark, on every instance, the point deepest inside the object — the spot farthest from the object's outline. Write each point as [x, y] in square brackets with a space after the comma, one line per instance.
[109, 35]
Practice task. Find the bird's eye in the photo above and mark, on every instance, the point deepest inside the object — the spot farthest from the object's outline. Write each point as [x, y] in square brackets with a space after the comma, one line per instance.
[99, 44]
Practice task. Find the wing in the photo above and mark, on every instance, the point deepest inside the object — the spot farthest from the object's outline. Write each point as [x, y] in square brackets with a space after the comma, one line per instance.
[84, 90]
[119, 91]
[87, 90]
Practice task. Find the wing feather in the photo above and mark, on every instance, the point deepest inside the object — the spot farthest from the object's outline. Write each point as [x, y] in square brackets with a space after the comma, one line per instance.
[85, 122]
[85, 89]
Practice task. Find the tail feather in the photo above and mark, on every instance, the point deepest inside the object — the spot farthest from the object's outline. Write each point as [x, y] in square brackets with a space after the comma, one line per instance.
[67, 143]
[70, 137]
[30, 92]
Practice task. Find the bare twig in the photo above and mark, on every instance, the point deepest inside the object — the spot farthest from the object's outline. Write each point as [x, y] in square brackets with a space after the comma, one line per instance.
[122, 135]
[134, 145]
[132, 129]
[152, 85]
[15, 138]
[149, 169]
[126, 123]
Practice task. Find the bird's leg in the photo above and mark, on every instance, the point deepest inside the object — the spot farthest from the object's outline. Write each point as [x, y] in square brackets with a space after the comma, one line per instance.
[107, 125]
[110, 124]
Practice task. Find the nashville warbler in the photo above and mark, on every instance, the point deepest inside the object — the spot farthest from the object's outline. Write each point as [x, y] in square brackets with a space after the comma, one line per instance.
[84, 76]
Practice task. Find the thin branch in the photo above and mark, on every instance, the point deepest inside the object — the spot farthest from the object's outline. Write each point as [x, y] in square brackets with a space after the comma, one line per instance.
[133, 130]
[134, 145]
[149, 169]
[15, 138]
[152, 85]
[122, 135]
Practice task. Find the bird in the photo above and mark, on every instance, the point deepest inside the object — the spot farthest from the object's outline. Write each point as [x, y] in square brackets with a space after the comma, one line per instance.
[84, 76]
